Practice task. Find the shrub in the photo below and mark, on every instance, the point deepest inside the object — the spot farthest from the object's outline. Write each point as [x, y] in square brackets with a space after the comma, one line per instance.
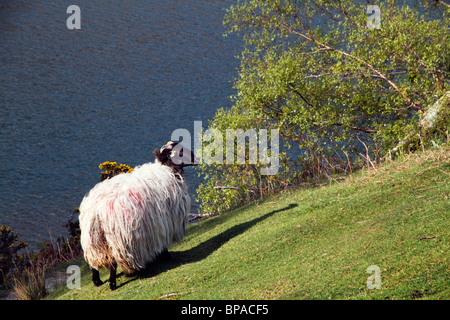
[112, 169]
[10, 260]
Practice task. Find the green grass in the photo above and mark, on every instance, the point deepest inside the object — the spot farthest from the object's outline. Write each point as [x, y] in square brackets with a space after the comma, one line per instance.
[314, 243]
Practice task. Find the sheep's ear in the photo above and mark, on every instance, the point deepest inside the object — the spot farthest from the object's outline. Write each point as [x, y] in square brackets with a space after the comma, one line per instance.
[158, 155]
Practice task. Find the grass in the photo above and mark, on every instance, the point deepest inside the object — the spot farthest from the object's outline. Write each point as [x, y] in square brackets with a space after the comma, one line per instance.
[314, 243]
[30, 286]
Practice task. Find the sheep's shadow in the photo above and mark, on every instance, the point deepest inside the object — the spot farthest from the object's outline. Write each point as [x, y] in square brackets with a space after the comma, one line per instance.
[200, 251]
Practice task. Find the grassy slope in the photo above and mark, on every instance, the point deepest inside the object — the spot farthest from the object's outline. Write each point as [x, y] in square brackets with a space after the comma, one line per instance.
[313, 243]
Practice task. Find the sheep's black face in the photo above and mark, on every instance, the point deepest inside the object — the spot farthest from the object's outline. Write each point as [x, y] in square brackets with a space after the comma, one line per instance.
[174, 155]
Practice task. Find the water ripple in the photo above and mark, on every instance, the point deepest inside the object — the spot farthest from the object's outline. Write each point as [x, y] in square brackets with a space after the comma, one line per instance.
[114, 90]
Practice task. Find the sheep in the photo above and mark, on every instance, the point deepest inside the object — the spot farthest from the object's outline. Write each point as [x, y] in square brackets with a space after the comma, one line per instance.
[131, 218]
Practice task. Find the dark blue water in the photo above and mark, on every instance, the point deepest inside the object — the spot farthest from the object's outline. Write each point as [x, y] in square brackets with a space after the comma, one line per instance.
[113, 90]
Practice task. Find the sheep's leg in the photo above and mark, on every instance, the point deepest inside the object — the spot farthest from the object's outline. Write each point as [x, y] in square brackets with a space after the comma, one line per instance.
[96, 278]
[112, 276]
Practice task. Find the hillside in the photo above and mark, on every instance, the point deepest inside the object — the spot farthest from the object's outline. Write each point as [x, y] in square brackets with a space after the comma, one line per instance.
[313, 243]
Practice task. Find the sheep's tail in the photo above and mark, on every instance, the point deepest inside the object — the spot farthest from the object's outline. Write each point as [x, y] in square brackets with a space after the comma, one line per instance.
[93, 241]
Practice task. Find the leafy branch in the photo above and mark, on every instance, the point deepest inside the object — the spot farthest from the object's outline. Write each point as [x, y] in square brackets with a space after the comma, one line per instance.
[307, 36]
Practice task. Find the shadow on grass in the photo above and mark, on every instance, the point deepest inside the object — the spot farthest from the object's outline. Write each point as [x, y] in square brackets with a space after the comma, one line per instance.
[200, 251]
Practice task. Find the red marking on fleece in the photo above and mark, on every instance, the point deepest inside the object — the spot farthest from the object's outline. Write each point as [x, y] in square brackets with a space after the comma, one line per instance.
[135, 196]
[136, 199]
[111, 206]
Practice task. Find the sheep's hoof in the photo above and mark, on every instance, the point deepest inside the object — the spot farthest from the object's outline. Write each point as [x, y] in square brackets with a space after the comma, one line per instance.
[98, 282]
[112, 286]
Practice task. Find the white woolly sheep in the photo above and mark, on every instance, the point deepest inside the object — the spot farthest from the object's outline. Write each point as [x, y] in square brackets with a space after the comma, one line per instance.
[131, 218]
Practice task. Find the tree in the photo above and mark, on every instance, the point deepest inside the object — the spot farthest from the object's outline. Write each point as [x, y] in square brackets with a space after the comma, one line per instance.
[337, 89]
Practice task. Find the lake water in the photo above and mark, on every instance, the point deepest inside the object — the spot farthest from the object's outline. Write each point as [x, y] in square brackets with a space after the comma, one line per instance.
[112, 91]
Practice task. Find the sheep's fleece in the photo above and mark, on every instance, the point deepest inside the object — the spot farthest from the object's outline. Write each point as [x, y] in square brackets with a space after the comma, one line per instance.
[132, 217]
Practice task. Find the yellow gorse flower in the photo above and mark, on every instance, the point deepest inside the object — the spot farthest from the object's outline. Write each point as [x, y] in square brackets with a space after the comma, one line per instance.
[112, 169]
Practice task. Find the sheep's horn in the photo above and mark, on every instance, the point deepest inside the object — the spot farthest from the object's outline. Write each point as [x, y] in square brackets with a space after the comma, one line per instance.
[169, 145]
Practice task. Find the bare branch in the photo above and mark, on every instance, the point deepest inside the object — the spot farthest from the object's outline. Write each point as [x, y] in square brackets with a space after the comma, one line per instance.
[443, 3]
[356, 128]
[220, 187]
[291, 86]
